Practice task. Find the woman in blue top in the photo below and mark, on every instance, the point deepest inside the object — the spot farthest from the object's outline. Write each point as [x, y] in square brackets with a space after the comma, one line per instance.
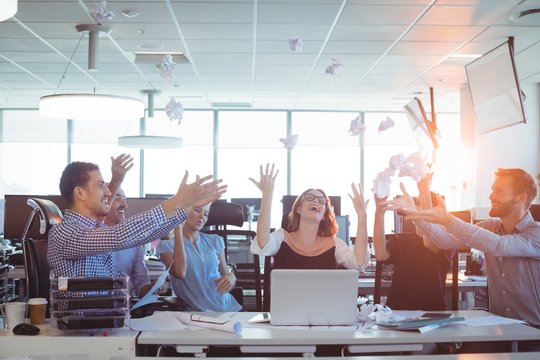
[199, 271]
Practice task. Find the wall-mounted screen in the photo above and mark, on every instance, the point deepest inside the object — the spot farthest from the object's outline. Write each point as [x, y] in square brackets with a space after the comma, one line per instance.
[495, 91]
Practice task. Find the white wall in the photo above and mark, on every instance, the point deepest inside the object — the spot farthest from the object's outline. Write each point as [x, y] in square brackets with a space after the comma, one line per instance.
[514, 146]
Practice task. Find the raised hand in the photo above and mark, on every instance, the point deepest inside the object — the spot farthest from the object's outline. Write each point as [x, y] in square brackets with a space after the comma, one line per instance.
[437, 214]
[198, 193]
[382, 205]
[120, 165]
[402, 203]
[267, 178]
[424, 196]
[360, 205]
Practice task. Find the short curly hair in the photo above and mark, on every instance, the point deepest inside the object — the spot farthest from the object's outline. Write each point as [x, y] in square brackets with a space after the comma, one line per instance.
[75, 174]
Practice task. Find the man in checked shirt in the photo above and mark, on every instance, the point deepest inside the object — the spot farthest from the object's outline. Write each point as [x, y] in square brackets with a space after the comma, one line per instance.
[81, 245]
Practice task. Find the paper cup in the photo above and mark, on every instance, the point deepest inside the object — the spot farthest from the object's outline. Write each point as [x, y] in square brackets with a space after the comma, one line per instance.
[14, 313]
[37, 308]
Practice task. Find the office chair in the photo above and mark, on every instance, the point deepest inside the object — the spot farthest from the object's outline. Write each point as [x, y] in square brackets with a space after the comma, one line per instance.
[411, 242]
[35, 250]
[248, 275]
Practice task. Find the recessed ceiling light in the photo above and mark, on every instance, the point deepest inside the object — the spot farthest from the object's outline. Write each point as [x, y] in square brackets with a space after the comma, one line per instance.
[150, 46]
[130, 13]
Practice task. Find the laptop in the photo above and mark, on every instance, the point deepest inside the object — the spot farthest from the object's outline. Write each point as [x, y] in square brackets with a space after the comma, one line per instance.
[313, 297]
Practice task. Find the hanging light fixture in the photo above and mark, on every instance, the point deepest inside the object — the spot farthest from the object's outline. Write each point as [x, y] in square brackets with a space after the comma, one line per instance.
[8, 9]
[91, 106]
[149, 141]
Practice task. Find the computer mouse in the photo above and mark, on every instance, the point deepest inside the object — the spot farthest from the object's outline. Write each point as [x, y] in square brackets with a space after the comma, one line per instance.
[25, 329]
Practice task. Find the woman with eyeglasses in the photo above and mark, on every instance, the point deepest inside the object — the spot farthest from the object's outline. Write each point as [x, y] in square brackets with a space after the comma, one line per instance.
[310, 241]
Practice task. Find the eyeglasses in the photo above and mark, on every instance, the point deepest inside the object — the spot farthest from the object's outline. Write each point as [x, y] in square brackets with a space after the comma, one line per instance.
[320, 199]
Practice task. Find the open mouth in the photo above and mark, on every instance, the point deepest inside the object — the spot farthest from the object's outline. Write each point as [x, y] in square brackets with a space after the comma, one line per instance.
[314, 208]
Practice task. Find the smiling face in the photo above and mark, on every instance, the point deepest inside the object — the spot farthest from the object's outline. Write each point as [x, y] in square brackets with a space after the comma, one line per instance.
[92, 198]
[313, 205]
[197, 217]
[504, 200]
[117, 212]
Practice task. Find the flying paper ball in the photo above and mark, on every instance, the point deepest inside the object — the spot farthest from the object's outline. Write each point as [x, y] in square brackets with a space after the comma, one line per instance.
[356, 127]
[296, 44]
[386, 124]
[166, 67]
[289, 142]
[332, 69]
[101, 13]
[175, 111]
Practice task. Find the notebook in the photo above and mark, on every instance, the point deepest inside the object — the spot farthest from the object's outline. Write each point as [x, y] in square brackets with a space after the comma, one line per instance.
[313, 297]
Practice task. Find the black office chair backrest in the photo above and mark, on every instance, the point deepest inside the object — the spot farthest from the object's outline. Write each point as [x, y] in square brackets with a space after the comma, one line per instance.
[407, 239]
[35, 250]
[222, 214]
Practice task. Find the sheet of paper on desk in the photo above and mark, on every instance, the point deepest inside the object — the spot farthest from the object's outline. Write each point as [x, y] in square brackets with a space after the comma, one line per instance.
[490, 321]
[158, 321]
[216, 323]
[150, 296]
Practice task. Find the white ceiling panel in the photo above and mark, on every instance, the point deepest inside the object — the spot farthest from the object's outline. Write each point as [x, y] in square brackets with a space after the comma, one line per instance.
[239, 50]
[403, 14]
[463, 15]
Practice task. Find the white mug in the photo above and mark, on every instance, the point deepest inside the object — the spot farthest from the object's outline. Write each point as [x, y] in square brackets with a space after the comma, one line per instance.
[14, 313]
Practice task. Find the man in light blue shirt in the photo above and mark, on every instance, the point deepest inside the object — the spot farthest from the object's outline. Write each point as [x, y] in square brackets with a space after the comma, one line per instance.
[129, 261]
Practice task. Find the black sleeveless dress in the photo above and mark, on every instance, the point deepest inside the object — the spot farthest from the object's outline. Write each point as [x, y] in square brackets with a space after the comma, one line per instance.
[287, 258]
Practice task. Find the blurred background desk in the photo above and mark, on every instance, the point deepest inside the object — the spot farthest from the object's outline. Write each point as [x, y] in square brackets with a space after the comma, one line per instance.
[98, 345]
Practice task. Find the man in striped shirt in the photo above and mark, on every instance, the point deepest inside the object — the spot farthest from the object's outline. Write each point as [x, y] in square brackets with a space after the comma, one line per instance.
[81, 245]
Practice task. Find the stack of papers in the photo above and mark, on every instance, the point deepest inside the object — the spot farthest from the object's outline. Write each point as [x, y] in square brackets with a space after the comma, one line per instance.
[421, 325]
[154, 265]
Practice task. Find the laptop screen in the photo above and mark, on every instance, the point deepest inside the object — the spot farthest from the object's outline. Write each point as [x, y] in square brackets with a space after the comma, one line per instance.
[313, 297]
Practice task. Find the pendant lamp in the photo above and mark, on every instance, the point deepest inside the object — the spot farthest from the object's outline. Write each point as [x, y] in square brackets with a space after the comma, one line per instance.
[149, 141]
[91, 106]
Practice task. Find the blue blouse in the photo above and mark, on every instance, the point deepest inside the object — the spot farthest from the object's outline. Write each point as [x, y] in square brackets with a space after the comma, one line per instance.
[198, 288]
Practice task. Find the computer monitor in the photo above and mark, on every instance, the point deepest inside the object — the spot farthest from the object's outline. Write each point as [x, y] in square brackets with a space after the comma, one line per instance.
[343, 231]
[138, 205]
[246, 203]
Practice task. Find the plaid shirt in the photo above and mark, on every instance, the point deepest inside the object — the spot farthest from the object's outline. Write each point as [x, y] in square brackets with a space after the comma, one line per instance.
[81, 247]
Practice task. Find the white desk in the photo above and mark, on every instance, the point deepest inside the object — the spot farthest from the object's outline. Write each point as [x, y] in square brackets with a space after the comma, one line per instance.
[95, 345]
[279, 337]
[498, 356]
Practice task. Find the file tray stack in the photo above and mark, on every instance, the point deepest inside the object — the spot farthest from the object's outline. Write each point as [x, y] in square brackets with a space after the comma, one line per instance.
[89, 303]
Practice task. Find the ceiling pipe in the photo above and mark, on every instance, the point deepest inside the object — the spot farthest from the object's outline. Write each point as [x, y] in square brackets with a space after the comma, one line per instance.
[93, 31]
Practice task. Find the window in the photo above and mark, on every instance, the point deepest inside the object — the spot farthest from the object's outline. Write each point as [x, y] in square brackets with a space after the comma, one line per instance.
[165, 168]
[326, 156]
[246, 140]
[27, 158]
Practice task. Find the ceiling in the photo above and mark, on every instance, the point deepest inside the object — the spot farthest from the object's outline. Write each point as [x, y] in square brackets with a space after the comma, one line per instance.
[237, 52]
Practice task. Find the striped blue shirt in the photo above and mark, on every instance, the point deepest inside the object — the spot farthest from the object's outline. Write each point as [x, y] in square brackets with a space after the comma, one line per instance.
[82, 247]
